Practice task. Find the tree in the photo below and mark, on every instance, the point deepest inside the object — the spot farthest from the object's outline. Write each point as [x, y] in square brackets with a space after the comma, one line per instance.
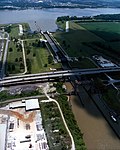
[33, 44]
[45, 65]
[21, 66]
[18, 50]
[39, 43]
[34, 54]
[43, 44]
[10, 49]
[28, 62]
[28, 51]
[64, 42]
[20, 59]
[25, 42]
[50, 59]
[13, 67]
[9, 67]
[16, 59]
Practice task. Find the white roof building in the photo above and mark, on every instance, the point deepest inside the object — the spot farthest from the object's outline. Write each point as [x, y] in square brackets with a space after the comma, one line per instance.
[18, 104]
[32, 104]
[20, 30]
[2, 136]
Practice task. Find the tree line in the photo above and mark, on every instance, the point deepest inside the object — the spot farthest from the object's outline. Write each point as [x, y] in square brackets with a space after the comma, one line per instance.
[106, 17]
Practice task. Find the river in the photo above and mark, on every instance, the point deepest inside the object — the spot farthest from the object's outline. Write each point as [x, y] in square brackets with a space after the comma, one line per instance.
[45, 18]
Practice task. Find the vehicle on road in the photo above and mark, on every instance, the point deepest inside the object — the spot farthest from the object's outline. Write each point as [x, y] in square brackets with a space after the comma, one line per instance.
[113, 116]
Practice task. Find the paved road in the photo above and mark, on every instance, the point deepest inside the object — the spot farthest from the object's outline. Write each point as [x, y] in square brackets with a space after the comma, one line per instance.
[53, 75]
[4, 57]
[24, 58]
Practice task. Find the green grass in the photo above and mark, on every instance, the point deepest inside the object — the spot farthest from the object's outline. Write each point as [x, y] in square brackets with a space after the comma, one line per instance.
[61, 25]
[40, 59]
[39, 62]
[14, 31]
[84, 63]
[74, 40]
[5, 95]
[26, 26]
[11, 59]
[112, 99]
[31, 36]
[106, 30]
[82, 39]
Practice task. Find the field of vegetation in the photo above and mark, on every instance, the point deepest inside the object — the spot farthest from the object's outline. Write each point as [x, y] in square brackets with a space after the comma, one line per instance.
[38, 57]
[110, 33]
[57, 135]
[90, 38]
[69, 117]
[15, 55]
[109, 94]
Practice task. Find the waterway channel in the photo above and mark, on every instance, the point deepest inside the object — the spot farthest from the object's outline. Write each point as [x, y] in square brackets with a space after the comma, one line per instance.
[98, 135]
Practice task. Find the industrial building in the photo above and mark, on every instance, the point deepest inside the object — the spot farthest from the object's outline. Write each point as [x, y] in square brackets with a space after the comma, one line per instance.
[22, 128]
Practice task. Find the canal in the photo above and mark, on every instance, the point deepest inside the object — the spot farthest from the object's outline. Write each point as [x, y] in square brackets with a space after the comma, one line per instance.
[97, 133]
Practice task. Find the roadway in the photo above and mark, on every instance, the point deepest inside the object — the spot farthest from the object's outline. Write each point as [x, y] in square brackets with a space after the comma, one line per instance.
[24, 58]
[53, 75]
[4, 57]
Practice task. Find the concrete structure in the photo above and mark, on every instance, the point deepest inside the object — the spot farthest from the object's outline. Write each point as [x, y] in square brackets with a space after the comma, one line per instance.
[32, 104]
[67, 26]
[32, 78]
[104, 62]
[17, 133]
[3, 128]
[2, 136]
[20, 30]
[15, 105]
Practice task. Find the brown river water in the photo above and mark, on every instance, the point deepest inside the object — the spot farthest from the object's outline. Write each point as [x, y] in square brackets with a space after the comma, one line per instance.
[98, 135]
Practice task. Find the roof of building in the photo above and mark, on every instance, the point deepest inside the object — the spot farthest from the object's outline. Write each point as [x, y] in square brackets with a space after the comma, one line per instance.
[2, 135]
[32, 104]
[17, 104]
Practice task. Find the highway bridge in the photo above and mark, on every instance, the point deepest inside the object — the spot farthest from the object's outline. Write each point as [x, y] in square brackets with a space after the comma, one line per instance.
[47, 76]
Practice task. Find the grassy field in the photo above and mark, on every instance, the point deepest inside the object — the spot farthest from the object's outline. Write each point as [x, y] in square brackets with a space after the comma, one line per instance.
[14, 33]
[106, 30]
[109, 31]
[87, 39]
[73, 41]
[112, 98]
[38, 57]
[84, 63]
[14, 58]
[57, 135]
[61, 25]
[15, 54]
